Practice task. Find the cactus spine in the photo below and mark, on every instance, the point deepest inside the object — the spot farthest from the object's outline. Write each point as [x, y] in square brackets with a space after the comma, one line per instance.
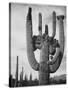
[47, 45]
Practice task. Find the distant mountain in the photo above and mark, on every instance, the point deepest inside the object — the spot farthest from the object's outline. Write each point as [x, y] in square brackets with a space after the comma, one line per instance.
[61, 77]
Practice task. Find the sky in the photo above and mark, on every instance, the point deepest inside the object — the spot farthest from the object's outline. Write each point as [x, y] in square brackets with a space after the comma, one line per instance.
[18, 35]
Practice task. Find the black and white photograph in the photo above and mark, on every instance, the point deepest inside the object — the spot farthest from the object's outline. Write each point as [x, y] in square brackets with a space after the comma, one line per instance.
[37, 45]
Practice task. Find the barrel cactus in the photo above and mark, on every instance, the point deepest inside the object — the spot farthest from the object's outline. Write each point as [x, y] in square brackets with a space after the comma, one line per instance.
[51, 49]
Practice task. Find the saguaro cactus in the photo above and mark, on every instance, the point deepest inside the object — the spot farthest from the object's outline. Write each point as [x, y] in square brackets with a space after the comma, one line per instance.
[49, 47]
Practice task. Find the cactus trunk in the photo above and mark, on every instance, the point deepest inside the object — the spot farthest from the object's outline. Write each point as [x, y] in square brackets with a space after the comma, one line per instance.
[44, 68]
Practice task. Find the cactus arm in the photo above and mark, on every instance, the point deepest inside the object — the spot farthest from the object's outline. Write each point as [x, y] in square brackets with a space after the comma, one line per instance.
[38, 41]
[40, 24]
[53, 68]
[54, 24]
[61, 32]
[56, 65]
[31, 57]
[55, 57]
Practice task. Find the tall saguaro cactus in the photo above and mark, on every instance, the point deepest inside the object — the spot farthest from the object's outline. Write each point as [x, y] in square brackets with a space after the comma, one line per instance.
[49, 47]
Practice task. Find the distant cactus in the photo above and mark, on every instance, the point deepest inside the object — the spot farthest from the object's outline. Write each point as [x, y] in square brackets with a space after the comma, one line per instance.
[21, 77]
[26, 78]
[48, 47]
[30, 77]
[16, 80]
[10, 81]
